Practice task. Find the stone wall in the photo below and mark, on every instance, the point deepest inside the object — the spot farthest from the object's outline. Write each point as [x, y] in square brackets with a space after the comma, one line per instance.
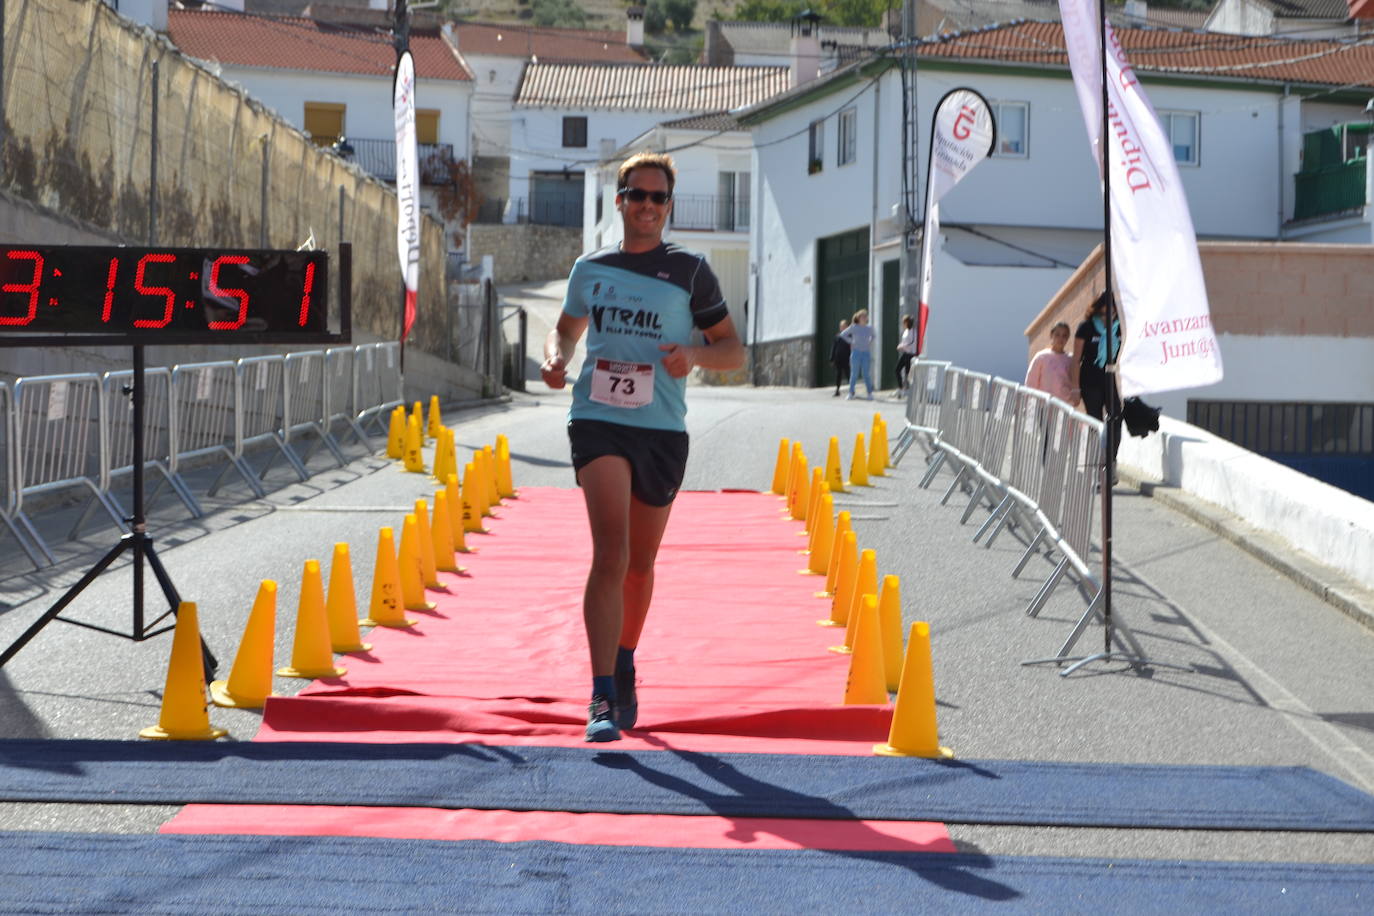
[78, 141]
[784, 362]
[525, 252]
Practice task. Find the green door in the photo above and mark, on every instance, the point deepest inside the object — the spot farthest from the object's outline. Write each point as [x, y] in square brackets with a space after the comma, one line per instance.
[841, 290]
[892, 326]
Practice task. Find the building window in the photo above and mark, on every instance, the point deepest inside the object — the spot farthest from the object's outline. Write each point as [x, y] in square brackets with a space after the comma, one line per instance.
[1181, 127]
[732, 201]
[324, 122]
[849, 136]
[815, 157]
[1013, 130]
[426, 125]
[575, 132]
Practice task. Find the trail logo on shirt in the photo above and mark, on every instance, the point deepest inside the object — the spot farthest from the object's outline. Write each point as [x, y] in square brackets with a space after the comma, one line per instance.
[615, 320]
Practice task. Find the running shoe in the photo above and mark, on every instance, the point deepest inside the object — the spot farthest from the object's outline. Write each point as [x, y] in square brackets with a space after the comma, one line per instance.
[601, 720]
[626, 703]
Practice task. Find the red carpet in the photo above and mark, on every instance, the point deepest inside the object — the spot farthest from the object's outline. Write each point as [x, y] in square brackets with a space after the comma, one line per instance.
[731, 660]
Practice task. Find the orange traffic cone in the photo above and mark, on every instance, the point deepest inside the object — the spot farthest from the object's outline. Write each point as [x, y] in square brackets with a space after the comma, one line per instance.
[442, 459]
[311, 656]
[832, 568]
[790, 484]
[455, 514]
[865, 583]
[341, 604]
[429, 568]
[185, 715]
[819, 560]
[384, 608]
[504, 484]
[493, 491]
[432, 428]
[472, 499]
[396, 435]
[858, 465]
[813, 499]
[865, 684]
[418, 415]
[779, 487]
[479, 480]
[801, 492]
[875, 452]
[834, 474]
[914, 732]
[414, 458]
[882, 442]
[250, 680]
[412, 578]
[890, 623]
[844, 583]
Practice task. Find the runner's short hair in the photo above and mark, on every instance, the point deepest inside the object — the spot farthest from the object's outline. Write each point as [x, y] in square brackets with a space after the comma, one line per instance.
[660, 161]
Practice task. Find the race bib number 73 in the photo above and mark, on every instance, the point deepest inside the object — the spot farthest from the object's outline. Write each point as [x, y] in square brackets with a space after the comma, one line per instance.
[622, 384]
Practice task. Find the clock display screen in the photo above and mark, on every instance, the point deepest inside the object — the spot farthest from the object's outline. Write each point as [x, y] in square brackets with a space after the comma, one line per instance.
[148, 294]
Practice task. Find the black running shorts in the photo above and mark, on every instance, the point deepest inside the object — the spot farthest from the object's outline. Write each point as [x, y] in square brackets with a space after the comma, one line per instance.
[657, 457]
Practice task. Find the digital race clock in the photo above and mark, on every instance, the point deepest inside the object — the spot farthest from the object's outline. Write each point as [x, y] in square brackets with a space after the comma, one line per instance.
[59, 294]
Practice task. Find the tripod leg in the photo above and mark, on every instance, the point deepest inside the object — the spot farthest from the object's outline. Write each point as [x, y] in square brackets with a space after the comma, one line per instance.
[170, 591]
[66, 599]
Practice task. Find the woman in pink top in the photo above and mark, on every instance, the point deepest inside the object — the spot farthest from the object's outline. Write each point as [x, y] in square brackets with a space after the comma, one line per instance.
[1050, 369]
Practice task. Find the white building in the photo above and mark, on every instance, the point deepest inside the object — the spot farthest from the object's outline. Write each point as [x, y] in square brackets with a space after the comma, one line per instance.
[1295, 18]
[335, 82]
[570, 117]
[828, 189]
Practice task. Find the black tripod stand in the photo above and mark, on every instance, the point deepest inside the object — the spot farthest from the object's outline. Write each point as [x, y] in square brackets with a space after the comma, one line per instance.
[138, 541]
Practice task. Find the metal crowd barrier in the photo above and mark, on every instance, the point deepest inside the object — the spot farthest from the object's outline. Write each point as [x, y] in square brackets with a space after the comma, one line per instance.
[1033, 461]
[76, 431]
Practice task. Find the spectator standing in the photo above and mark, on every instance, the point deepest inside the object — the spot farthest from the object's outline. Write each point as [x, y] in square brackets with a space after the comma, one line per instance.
[860, 338]
[906, 352]
[1051, 370]
[839, 357]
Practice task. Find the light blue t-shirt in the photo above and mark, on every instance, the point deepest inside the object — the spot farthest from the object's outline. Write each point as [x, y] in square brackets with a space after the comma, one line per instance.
[634, 302]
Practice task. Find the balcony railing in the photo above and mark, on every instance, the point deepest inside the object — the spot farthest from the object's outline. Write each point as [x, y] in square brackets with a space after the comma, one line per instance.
[545, 211]
[1329, 189]
[709, 212]
[378, 159]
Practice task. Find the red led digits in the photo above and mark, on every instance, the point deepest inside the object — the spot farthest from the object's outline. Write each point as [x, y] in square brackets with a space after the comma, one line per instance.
[229, 292]
[109, 289]
[305, 295]
[24, 254]
[166, 291]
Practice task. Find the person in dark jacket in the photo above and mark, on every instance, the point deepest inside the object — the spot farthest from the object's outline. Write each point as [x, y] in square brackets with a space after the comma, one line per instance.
[839, 357]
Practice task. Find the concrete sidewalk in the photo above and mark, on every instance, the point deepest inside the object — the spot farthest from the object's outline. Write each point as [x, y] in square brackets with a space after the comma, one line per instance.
[1270, 673]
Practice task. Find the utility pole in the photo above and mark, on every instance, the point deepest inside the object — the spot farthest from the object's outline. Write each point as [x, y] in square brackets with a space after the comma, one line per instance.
[911, 250]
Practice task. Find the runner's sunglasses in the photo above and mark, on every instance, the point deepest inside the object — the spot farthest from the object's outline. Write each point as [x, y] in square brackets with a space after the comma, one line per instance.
[639, 195]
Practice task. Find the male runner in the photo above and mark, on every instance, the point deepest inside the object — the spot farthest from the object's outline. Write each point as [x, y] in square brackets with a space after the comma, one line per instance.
[638, 303]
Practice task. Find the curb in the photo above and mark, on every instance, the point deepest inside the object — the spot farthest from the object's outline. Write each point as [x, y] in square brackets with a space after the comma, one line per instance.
[1331, 585]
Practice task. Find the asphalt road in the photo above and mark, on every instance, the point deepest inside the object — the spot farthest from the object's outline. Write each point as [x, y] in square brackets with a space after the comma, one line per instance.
[1271, 674]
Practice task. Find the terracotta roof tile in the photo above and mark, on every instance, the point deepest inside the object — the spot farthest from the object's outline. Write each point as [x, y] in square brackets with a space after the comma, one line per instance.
[650, 87]
[1344, 62]
[292, 43]
[546, 44]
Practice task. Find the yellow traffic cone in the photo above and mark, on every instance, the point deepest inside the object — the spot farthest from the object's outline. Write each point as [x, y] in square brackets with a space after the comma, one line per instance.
[858, 465]
[819, 561]
[813, 500]
[412, 577]
[442, 532]
[396, 435]
[865, 583]
[384, 608]
[432, 428]
[832, 568]
[414, 458]
[185, 715]
[790, 484]
[311, 655]
[418, 415]
[250, 680]
[779, 487]
[441, 453]
[472, 499]
[875, 453]
[429, 568]
[866, 684]
[801, 493]
[914, 732]
[890, 624]
[834, 474]
[479, 480]
[455, 514]
[341, 604]
[844, 582]
[493, 491]
[504, 484]
[883, 447]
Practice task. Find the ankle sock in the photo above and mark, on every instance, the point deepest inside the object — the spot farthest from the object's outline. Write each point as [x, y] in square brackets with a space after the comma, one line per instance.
[625, 659]
[603, 685]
